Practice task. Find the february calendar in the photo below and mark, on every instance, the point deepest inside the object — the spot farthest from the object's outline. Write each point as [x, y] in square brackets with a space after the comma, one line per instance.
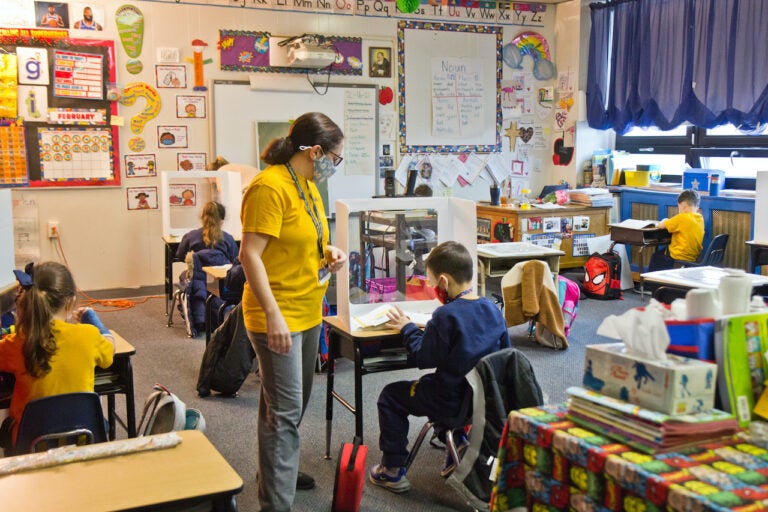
[75, 153]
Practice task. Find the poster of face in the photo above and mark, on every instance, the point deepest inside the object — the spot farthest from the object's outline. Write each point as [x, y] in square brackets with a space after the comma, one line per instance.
[140, 166]
[142, 198]
[87, 17]
[191, 161]
[171, 76]
[182, 194]
[190, 107]
[172, 136]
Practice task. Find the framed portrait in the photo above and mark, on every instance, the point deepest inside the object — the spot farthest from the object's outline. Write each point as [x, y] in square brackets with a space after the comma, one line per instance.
[190, 107]
[140, 166]
[171, 76]
[141, 198]
[379, 62]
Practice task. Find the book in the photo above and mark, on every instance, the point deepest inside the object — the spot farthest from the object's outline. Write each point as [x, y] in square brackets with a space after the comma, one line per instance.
[636, 224]
[375, 318]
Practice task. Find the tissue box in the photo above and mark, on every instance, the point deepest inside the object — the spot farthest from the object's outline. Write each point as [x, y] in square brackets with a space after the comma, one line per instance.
[676, 386]
[699, 179]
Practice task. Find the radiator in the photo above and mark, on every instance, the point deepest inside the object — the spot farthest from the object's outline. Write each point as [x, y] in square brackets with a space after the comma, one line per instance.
[738, 225]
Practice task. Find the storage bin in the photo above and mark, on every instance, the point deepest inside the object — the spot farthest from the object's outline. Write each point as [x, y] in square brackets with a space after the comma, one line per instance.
[637, 178]
[700, 179]
[384, 289]
[692, 338]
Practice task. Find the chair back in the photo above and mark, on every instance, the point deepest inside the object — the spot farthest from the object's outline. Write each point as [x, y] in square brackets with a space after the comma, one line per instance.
[715, 252]
[58, 420]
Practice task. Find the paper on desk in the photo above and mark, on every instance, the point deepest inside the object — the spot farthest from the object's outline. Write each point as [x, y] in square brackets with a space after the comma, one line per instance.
[420, 319]
[547, 206]
[373, 318]
[636, 224]
[643, 331]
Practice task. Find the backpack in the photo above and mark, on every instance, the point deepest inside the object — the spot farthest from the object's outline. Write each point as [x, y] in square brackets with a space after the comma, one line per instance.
[165, 412]
[569, 293]
[602, 276]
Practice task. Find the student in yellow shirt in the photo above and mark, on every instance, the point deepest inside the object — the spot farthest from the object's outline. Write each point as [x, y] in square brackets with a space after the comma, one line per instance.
[54, 349]
[287, 261]
[687, 229]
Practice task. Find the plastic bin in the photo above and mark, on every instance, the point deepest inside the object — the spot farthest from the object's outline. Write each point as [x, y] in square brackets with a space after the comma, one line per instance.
[637, 178]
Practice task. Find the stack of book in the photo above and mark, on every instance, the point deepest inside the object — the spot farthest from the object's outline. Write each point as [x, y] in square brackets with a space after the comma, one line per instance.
[643, 429]
[591, 196]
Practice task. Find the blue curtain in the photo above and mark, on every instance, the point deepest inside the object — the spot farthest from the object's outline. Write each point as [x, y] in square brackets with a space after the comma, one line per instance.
[664, 62]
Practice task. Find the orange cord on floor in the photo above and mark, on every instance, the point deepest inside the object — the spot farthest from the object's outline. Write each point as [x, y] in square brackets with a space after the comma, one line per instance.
[108, 305]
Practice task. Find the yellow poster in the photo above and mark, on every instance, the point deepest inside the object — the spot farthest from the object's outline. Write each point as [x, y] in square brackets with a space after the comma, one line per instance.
[8, 85]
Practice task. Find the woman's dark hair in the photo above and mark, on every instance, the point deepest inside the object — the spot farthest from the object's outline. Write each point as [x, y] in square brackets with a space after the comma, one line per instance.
[53, 287]
[451, 258]
[310, 129]
[213, 214]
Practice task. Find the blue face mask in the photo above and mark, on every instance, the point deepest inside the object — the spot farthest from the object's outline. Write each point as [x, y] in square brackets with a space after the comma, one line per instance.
[323, 169]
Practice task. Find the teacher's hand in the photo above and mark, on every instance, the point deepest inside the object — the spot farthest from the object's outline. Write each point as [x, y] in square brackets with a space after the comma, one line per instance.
[335, 258]
[278, 334]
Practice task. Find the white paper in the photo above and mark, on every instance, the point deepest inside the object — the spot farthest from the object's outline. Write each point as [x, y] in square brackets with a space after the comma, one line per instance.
[636, 224]
[360, 129]
[457, 97]
[401, 174]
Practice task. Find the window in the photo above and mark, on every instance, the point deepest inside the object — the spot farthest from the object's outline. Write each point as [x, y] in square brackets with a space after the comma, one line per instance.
[738, 154]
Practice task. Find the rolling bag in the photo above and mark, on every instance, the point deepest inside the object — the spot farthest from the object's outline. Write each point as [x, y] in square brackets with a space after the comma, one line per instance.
[350, 476]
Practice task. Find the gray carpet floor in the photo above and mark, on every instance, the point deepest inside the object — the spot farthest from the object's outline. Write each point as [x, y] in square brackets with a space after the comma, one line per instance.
[165, 355]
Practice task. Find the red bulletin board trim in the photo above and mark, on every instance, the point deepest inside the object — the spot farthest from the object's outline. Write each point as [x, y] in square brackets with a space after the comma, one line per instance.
[112, 77]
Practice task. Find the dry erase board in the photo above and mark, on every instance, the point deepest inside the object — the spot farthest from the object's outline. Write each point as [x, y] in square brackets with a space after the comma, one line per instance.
[449, 82]
[245, 120]
[62, 99]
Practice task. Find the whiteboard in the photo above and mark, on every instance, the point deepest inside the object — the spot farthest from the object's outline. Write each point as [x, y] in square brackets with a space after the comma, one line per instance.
[449, 82]
[238, 110]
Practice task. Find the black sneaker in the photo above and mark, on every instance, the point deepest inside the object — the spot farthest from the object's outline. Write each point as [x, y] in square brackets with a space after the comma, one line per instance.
[304, 482]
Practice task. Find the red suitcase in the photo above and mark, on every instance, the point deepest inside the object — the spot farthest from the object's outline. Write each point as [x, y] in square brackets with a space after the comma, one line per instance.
[350, 476]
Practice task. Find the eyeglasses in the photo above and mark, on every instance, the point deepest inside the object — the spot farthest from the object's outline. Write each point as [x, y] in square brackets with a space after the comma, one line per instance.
[336, 158]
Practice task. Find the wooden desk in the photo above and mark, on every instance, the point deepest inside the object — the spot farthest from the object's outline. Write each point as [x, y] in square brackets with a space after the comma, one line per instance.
[495, 260]
[115, 380]
[640, 238]
[191, 472]
[356, 346]
[758, 254]
[218, 273]
[696, 277]
[522, 223]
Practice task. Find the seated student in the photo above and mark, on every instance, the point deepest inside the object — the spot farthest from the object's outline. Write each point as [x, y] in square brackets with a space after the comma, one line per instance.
[55, 347]
[459, 334]
[687, 229]
[221, 249]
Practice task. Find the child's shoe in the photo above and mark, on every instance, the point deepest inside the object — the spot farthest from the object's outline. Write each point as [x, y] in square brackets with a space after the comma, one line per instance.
[450, 464]
[392, 479]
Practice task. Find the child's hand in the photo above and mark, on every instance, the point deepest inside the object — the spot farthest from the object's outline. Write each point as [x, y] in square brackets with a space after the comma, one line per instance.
[77, 314]
[397, 319]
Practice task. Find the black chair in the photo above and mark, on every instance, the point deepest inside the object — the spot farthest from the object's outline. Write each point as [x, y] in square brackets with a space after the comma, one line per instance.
[667, 294]
[711, 256]
[59, 420]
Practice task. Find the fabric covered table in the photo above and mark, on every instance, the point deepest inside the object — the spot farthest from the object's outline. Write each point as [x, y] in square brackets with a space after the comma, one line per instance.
[547, 463]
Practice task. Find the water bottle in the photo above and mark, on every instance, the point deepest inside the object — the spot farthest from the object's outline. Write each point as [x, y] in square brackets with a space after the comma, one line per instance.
[714, 185]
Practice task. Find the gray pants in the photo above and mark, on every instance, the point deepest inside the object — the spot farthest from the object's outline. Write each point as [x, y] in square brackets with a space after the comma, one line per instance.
[286, 383]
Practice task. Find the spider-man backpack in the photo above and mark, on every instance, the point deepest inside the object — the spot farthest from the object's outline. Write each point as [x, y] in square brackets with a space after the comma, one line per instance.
[602, 277]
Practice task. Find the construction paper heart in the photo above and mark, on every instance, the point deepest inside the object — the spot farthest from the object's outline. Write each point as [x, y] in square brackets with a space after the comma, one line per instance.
[526, 134]
[562, 154]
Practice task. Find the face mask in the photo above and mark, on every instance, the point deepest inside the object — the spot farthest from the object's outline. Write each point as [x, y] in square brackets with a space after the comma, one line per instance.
[323, 169]
[441, 294]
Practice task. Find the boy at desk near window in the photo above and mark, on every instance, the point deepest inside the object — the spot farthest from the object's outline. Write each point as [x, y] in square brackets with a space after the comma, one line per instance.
[53, 350]
[687, 229]
[460, 333]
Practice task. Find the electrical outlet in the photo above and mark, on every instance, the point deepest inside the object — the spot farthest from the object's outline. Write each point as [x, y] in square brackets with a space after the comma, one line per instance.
[53, 229]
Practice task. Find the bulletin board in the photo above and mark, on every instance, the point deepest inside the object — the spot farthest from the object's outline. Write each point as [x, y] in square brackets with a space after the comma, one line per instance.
[449, 82]
[241, 114]
[68, 138]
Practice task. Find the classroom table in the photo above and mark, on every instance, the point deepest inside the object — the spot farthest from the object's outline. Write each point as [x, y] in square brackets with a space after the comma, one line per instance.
[115, 380]
[696, 277]
[640, 238]
[182, 476]
[549, 463]
[371, 352]
[495, 260]
[758, 254]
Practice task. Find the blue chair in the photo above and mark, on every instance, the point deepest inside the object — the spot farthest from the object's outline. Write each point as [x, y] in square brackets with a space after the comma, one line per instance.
[712, 255]
[59, 420]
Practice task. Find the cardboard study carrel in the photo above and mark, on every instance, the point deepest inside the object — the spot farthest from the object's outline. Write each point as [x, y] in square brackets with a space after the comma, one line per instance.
[676, 386]
[740, 344]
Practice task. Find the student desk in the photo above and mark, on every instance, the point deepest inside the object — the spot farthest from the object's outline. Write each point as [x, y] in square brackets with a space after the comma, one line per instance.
[115, 380]
[548, 463]
[495, 260]
[371, 351]
[183, 475]
[641, 238]
[758, 254]
[696, 277]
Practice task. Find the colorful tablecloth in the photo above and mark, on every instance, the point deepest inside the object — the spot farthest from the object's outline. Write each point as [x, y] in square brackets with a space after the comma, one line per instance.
[547, 463]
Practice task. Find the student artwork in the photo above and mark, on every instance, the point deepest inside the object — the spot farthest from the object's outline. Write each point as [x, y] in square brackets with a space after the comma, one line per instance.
[182, 194]
[169, 76]
[33, 66]
[141, 198]
[33, 103]
[172, 136]
[130, 25]
[190, 107]
[562, 154]
[534, 45]
[198, 46]
[191, 161]
[140, 166]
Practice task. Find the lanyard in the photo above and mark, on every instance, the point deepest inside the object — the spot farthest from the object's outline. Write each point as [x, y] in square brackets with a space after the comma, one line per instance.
[314, 216]
[461, 294]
